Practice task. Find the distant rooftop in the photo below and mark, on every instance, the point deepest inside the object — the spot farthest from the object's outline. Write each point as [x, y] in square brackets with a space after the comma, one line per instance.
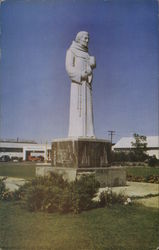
[125, 142]
[18, 141]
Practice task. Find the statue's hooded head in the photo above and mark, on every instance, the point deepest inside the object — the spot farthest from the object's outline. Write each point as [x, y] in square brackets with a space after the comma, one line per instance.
[82, 38]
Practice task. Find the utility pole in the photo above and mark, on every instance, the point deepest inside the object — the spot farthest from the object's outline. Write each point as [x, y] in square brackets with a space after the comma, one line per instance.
[111, 133]
[46, 153]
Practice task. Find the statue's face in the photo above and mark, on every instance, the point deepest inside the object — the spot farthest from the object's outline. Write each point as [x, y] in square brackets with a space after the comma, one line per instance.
[84, 40]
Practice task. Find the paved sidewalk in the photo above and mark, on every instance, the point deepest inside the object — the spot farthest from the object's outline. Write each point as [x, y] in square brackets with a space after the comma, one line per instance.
[149, 202]
[139, 190]
[13, 183]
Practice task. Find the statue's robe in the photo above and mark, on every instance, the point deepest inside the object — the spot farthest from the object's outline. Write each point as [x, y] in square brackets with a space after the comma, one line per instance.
[81, 110]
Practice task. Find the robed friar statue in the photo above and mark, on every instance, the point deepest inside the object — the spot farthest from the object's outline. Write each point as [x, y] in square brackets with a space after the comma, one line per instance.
[79, 66]
[81, 153]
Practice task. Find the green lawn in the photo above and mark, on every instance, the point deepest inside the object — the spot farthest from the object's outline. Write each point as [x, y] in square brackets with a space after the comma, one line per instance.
[142, 171]
[21, 170]
[117, 227]
[27, 170]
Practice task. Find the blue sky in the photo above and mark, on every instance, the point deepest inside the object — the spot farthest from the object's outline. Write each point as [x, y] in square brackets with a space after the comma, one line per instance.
[34, 85]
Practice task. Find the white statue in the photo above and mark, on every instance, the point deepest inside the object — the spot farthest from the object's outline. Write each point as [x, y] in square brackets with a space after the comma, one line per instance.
[79, 66]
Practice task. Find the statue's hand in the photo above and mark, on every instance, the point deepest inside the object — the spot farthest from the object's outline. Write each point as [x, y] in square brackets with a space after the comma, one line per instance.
[89, 71]
[84, 75]
[92, 62]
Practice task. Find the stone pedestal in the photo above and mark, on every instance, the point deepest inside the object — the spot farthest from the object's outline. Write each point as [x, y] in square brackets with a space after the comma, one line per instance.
[80, 153]
[75, 157]
[108, 177]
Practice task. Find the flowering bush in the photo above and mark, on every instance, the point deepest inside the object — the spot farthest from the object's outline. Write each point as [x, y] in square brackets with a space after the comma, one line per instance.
[128, 201]
[149, 179]
[2, 188]
[108, 198]
[5, 194]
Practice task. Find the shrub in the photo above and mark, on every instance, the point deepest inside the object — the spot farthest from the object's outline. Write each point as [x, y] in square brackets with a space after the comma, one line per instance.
[51, 179]
[108, 198]
[66, 202]
[42, 193]
[2, 188]
[83, 191]
[153, 161]
[52, 193]
[149, 178]
[129, 156]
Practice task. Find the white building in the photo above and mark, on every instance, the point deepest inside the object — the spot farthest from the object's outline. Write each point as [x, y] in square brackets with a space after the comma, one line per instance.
[124, 144]
[24, 149]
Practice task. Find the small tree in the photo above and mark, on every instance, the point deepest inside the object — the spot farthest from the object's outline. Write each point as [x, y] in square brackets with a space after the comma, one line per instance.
[139, 147]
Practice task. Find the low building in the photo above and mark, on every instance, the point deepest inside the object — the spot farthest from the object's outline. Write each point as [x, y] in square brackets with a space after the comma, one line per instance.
[124, 145]
[24, 149]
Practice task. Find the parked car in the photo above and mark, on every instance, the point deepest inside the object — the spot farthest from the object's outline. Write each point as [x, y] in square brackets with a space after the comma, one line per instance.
[35, 158]
[16, 159]
[41, 158]
[5, 158]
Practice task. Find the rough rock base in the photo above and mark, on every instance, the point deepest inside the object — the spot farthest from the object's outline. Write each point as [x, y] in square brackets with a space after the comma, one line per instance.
[73, 157]
[81, 153]
[108, 177]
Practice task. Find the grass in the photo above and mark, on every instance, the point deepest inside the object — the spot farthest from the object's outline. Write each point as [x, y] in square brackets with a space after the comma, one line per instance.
[21, 170]
[142, 171]
[118, 227]
[27, 170]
